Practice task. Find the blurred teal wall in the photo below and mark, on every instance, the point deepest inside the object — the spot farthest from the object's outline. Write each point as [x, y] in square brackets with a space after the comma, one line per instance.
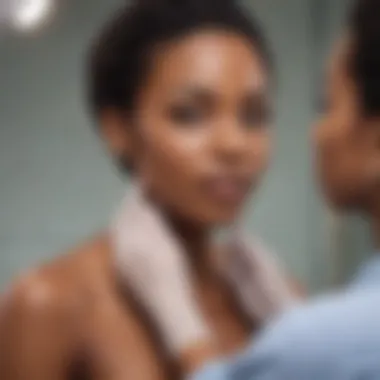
[57, 185]
[284, 212]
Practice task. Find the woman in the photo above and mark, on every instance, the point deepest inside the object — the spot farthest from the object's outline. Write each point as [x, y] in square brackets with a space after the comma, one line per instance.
[181, 93]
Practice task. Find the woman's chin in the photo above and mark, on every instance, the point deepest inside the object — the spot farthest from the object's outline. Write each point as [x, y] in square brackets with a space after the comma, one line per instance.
[219, 219]
[208, 217]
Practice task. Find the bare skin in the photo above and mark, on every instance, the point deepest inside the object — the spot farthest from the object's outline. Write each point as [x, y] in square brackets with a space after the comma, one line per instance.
[71, 317]
[202, 143]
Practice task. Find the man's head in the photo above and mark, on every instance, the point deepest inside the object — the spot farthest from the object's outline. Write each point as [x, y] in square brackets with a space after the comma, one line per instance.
[348, 134]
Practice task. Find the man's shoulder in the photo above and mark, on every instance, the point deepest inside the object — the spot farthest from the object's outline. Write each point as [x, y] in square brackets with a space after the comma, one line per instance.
[333, 338]
[330, 327]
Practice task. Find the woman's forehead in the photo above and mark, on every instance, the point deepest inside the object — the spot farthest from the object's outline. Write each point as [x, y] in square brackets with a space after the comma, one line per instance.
[209, 57]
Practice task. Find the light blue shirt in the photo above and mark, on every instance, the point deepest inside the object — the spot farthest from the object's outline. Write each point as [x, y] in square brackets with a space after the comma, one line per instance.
[334, 338]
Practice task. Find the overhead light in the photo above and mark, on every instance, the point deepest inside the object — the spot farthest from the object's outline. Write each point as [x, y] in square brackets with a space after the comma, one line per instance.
[30, 14]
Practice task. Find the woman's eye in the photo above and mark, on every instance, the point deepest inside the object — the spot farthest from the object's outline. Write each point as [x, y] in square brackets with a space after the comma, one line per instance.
[186, 114]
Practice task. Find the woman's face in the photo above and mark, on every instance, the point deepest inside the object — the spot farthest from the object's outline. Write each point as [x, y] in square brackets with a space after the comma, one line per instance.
[202, 138]
[348, 150]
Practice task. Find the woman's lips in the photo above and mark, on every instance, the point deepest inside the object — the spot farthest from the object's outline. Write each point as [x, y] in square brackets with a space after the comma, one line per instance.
[226, 189]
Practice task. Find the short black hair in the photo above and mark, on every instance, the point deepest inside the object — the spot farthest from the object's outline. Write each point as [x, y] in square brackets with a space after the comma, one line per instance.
[120, 55]
[364, 61]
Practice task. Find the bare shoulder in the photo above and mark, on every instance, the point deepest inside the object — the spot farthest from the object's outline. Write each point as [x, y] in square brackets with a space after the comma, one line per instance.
[73, 302]
[55, 289]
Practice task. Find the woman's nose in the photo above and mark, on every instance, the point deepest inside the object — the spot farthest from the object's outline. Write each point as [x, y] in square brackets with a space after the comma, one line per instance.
[230, 141]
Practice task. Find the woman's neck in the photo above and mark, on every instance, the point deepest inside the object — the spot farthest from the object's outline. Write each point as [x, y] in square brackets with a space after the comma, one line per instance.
[197, 242]
[196, 239]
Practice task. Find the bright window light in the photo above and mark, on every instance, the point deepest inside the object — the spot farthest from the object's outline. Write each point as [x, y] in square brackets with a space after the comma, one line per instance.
[31, 14]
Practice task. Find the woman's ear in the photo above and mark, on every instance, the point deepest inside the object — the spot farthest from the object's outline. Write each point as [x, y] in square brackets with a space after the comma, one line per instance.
[116, 133]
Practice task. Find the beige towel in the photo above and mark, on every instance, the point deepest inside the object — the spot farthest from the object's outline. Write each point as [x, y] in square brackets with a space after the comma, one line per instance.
[260, 282]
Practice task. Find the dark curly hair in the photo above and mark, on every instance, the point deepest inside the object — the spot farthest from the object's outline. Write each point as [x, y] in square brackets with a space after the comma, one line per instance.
[364, 25]
[121, 54]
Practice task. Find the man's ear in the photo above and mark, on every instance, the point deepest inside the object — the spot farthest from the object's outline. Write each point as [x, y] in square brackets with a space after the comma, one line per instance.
[370, 129]
[116, 133]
